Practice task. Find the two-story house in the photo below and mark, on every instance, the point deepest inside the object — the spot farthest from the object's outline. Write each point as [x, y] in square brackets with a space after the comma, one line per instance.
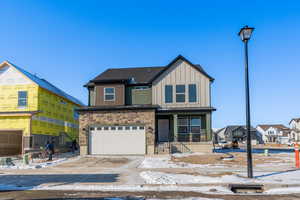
[238, 133]
[295, 129]
[274, 133]
[33, 111]
[136, 110]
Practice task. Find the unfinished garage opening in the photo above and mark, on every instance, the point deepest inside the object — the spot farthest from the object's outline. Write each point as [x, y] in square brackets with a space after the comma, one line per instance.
[10, 143]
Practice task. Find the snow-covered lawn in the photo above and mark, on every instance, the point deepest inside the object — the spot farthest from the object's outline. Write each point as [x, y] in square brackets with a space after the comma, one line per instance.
[39, 163]
[165, 162]
[154, 177]
[214, 161]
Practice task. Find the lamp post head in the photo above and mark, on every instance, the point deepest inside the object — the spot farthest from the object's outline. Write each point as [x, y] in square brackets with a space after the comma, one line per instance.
[245, 33]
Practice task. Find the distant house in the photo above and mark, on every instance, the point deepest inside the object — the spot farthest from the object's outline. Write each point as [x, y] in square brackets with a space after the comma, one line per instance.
[219, 135]
[295, 129]
[237, 133]
[276, 133]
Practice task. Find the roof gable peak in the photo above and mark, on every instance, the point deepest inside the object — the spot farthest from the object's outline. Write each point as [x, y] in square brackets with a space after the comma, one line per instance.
[180, 57]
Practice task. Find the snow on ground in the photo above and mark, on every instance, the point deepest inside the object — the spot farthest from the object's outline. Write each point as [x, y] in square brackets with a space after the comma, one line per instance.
[154, 177]
[180, 155]
[284, 177]
[284, 190]
[141, 188]
[20, 165]
[125, 188]
[39, 163]
[165, 162]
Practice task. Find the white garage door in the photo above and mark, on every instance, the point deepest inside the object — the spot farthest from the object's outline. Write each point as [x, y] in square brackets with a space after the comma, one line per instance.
[117, 140]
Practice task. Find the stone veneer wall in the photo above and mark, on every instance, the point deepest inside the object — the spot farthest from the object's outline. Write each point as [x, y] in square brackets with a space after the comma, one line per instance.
[117, 117]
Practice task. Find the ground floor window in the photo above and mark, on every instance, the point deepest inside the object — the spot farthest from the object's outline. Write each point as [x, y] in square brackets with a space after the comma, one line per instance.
[189, 128]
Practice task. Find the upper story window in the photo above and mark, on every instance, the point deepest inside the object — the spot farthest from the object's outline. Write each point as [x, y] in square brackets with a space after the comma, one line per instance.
[91, 96]
[109, 94]
[168, 94]
[75, 113]
[22, 99]
[180, 93]
[192, 93]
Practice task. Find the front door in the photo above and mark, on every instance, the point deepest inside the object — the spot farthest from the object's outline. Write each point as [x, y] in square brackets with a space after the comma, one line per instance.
[163, 130]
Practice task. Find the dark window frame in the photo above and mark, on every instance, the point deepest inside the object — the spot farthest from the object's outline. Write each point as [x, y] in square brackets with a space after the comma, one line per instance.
[189, 126]
[169, 96]
[180, 94]
[192, 97]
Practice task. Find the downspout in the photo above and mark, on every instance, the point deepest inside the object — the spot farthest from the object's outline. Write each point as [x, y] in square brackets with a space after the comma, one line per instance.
[212, 135]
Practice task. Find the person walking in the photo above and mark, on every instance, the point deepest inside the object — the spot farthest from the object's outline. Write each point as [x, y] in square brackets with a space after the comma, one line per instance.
[50, 149]
[74, 146]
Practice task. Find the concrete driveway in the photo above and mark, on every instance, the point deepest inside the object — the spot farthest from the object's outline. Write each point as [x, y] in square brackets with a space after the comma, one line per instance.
[87, 169]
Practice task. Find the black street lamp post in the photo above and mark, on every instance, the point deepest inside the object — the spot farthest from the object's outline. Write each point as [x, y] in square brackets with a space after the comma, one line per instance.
[245, 34]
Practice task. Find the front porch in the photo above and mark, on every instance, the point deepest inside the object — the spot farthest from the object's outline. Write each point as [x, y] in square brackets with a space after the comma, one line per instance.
[183, 132]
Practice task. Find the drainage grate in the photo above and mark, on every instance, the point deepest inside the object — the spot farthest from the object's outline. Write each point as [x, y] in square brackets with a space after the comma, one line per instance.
[246, 188]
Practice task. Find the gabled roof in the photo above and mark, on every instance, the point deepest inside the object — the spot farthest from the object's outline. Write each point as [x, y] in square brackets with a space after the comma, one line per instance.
[140, 75]
[180, 57]
[229, 129]
[277, 126]
[44, 83]
[295, 119]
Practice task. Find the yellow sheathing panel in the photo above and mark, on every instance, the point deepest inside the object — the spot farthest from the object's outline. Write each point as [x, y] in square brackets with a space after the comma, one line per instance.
[57, 113]
[9, 97]
[16, 123]
[56, 116]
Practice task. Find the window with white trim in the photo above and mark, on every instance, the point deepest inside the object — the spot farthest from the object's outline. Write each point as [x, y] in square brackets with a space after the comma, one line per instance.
[22, 99]
[109, 94]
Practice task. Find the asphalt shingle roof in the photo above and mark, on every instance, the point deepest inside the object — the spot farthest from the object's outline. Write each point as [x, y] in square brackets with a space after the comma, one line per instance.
[141, 75]
[267, 126]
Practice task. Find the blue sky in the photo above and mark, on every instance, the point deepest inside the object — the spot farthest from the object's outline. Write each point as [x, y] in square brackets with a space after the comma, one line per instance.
[68, 42]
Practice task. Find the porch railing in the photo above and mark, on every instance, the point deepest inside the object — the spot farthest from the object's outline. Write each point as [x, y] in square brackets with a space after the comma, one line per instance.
[179, 147]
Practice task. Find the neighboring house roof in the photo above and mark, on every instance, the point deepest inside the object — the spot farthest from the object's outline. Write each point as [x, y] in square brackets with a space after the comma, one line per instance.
[140, 75]
[267, 126]
[44, 84]
[229, 129]
[295, 119]
[254, 132]
[216, 132]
